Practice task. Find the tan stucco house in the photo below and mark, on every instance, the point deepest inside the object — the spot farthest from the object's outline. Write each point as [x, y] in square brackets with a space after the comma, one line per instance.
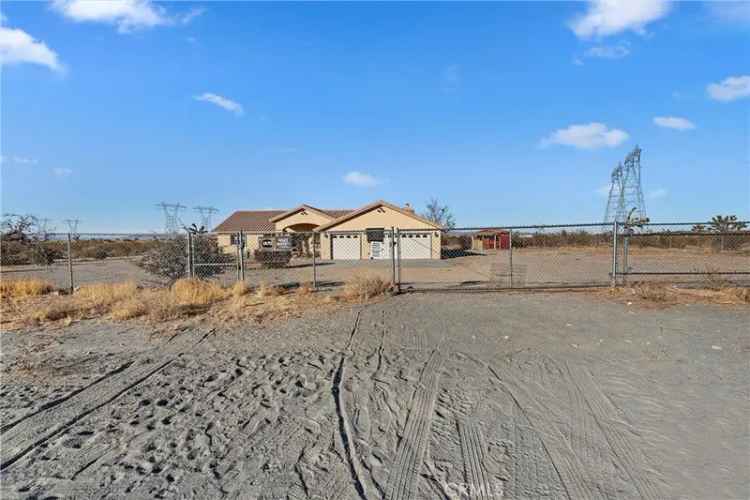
[363, 233]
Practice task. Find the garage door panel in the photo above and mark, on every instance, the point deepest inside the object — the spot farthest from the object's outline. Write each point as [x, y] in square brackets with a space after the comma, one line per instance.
[345, 246]
[416, 245]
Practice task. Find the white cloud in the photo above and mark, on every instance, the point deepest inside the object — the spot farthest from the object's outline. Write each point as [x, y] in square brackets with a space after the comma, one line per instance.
[609, 17]
[586, 136]
[61, 172]
[360, 179]
[657, 194]
[674, 122]
[18, 160]
[127, 15]
[222, 102]
[17, 47]
[608, 52]
[188, 17]
[730, 12]
[730, 89]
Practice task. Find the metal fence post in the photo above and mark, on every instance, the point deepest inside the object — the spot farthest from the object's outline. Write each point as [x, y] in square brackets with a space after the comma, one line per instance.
[315, 269]
[625, 247]
[393, 257]
[189, 267]
[241, 256]
[614, 254]
[510, 255]
[70, 264]
[397, 242]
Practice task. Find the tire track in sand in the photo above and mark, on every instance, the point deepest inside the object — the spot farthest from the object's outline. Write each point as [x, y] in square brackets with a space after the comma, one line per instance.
[345, 431]
[627, 455]
[402, 480]
[575, 478]
[40, 427]
[473, 449]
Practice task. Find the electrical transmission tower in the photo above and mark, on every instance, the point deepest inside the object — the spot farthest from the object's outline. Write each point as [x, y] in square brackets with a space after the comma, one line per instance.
[625, 203]
[172, 222]
[44, 228]
[206, 213]
[72, 226]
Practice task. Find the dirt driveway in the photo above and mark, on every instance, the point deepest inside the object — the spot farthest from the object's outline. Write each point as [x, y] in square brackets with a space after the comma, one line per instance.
[419, 396]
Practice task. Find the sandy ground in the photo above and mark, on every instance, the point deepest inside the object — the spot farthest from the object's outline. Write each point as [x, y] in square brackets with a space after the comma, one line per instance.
[531, 267]
[564, 395]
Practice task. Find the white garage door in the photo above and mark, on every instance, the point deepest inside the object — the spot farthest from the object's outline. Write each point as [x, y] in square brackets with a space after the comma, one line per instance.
[345, 246]
[416, 245]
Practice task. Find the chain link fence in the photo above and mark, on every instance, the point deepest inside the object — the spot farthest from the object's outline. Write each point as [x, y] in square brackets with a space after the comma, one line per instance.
[538, 256]
[708, 253]
[480, 258]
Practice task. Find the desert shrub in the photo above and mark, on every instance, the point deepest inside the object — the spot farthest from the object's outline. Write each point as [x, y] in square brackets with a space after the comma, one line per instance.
[98, 252]
[14, 289]
[43, 254]
[13, 253]
[363, 287]
[169, 258]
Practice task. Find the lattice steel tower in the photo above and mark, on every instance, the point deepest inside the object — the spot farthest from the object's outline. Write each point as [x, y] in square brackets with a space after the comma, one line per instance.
[625, 193]
[206, 213]
[172, 220]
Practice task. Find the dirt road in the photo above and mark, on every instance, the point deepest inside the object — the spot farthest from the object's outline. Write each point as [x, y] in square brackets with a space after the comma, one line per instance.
[420, 396]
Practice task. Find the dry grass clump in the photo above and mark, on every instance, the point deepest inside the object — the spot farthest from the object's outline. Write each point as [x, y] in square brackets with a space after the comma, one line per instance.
[129, 309]
[264, 290]
[663, 294]
[197, 292]
[364, 287]
[304, 289]
[651, 292]
[16, 289]
[66, 309]
[104, 295]
[239, 289]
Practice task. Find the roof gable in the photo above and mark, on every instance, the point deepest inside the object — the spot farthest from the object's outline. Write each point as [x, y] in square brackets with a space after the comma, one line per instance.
[300, 208]
[373, 206]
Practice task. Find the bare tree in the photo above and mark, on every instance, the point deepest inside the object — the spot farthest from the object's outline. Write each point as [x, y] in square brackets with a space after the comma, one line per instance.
[439, 214]
[17, 227]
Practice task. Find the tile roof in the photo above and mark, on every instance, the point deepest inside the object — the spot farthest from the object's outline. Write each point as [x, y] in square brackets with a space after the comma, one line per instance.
[260, 220]
[248, 220]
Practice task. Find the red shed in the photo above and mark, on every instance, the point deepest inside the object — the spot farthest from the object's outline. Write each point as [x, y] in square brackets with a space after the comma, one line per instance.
[491, 239]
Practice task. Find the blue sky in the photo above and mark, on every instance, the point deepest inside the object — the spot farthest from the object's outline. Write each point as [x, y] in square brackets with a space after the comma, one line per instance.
[510, 112]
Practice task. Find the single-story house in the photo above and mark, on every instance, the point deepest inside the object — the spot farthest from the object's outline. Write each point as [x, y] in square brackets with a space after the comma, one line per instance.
[344, 234]
[490, 239]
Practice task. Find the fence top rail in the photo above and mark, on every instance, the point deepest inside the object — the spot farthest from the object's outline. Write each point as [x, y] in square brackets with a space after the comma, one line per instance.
[528, 226]
[690, 233]
[702, 223]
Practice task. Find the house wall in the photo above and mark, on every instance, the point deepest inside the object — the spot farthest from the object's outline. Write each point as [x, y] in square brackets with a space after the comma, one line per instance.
[251, 243]
[302, 217]
[384, 217]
